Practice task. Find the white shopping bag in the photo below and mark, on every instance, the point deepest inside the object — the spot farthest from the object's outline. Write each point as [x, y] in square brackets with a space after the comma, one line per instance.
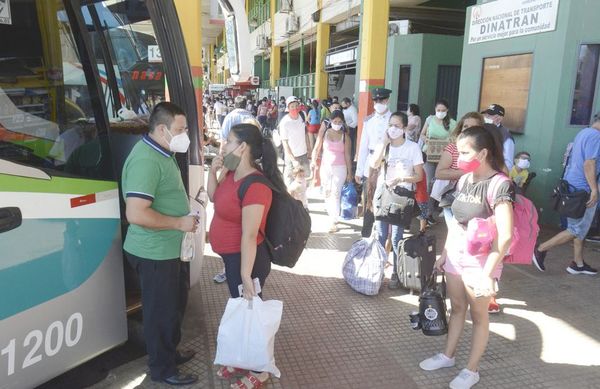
[246, 337]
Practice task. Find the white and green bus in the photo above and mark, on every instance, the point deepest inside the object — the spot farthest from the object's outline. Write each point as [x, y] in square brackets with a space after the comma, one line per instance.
[78, 79]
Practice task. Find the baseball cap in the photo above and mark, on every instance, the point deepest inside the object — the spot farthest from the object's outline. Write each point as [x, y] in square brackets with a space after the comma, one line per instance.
[291, 99]
[494, 109]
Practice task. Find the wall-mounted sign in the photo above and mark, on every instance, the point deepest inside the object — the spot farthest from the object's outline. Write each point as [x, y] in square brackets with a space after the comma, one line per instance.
[5, 16]
[503, 19]
[255, 80]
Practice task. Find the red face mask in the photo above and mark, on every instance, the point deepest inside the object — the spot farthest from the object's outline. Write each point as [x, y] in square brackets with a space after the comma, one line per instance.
[294, 112]
[469, 166]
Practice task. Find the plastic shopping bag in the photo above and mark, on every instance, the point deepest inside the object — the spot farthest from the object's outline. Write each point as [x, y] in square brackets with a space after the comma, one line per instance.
[246, 335]
[349, 201]
[363, 268]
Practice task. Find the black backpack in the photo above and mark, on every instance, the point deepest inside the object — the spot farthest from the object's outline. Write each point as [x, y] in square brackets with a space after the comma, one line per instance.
[288, 223]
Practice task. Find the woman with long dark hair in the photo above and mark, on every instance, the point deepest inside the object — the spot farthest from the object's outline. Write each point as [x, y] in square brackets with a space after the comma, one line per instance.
[237, 230]
[437, 127]
[472, 274]
[336, 163]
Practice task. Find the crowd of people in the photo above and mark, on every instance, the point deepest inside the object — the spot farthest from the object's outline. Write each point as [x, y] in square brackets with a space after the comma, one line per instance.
[461, 170]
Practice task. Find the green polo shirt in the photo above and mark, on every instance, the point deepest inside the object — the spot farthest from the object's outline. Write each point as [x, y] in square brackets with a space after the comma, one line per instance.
[151, 172]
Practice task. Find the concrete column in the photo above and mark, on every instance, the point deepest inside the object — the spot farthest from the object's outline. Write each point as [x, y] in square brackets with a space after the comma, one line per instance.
[321, 77]
[275, 64]
[373, 51]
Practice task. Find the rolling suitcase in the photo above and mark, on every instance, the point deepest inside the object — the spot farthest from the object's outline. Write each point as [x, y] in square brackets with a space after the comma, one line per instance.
[416, 257]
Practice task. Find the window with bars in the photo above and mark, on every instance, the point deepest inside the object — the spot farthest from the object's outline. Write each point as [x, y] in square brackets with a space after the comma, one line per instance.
[258, 13]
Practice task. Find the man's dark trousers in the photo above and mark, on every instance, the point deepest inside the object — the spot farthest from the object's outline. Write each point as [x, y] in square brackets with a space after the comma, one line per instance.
[164, 286]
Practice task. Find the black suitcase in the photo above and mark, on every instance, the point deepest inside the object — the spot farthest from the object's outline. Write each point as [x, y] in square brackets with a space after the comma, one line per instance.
[416, 257]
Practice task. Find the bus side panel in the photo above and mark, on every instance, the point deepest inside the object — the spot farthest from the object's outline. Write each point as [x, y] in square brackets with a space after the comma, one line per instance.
[46, 340]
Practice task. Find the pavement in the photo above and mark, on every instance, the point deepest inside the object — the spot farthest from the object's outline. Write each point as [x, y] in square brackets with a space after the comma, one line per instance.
[546, 336]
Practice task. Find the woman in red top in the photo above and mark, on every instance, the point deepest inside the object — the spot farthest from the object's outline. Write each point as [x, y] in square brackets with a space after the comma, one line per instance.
[237, 230]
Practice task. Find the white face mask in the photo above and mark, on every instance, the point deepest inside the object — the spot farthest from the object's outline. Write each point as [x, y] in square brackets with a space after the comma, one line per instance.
[488, 120]
[395, 132]
[380, 108]
[179, 143]
[440, 114]
[336, 127]
[523, 164]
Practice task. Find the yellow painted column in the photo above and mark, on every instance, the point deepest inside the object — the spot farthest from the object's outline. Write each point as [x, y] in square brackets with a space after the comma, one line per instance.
[275, 62]
[373, 53]
[211, 63]
[321, 78]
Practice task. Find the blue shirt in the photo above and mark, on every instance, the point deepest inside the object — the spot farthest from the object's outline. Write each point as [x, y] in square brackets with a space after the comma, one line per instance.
[585, 147]
[314, 116]
[234, 117]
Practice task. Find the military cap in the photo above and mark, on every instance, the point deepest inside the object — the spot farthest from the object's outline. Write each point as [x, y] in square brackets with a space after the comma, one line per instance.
[381, 93]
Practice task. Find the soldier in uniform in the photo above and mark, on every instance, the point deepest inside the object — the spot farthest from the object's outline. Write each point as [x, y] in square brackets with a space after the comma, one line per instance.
[373, 134]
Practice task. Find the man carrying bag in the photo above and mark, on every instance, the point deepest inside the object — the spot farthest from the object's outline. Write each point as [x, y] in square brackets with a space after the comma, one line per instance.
[581, 175]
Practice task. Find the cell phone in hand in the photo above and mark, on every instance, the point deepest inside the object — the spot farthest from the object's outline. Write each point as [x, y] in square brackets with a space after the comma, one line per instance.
[257, 288]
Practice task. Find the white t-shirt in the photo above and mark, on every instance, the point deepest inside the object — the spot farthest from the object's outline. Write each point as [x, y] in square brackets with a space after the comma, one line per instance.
[294, 132]
[401, 163]
[220, 108]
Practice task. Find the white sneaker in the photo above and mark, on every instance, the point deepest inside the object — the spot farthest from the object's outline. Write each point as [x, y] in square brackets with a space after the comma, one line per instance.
[465, 379]
[438, 361]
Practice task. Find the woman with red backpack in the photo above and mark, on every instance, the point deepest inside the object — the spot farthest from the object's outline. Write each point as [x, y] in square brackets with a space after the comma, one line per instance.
[474, 267]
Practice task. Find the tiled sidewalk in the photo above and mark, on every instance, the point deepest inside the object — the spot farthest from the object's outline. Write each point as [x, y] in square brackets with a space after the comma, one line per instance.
[332, 337]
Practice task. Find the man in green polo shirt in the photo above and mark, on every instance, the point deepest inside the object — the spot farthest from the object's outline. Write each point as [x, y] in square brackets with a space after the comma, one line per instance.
[157, 210]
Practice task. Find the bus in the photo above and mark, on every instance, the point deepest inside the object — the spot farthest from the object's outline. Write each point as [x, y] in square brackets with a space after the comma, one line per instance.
[78, 79]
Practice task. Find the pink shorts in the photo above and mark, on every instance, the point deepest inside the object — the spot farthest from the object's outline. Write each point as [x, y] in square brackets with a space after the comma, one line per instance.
[459, 262]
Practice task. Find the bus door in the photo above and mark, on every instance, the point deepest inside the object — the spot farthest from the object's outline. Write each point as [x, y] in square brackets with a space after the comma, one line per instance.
[61, 271]
[139, 46]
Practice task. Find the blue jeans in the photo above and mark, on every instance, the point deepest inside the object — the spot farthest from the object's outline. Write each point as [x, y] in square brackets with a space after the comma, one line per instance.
[397, 233]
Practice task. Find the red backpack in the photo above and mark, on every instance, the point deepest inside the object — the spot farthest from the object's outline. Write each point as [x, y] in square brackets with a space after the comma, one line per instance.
[525, 223]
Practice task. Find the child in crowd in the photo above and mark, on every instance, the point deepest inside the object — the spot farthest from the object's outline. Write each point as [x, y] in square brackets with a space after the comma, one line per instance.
[519, 172]
[298, 187]
[423, 201]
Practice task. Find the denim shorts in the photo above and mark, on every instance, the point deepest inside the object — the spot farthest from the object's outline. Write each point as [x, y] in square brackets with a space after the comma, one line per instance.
[580, 227]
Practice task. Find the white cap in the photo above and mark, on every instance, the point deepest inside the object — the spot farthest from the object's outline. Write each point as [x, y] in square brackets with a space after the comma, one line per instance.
[291, 99]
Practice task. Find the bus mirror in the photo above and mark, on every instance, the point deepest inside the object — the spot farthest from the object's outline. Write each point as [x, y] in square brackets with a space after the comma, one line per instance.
[10, 218]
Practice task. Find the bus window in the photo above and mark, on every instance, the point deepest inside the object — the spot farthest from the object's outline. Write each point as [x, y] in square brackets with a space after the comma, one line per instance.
[124, 40]
[46, 115]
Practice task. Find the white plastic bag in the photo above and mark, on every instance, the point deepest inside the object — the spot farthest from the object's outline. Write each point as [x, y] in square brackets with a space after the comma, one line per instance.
[246, 337]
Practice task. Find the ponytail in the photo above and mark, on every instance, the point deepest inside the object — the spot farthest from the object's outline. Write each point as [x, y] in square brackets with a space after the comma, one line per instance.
[487, 137]
[262, 152]
[269, 165]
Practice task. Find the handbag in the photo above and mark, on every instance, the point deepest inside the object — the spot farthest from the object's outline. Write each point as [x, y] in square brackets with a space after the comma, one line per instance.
[434, 148]
[568, 201]
[394, 205]
[432, 307]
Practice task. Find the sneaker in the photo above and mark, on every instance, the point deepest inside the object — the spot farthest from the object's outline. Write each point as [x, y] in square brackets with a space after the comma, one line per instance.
[493, 307]
[593, 239]
[585, 269]
[394, 282]
[431, 221]
[438, 361]
[465, 379]
[538, 259]
[220, 278]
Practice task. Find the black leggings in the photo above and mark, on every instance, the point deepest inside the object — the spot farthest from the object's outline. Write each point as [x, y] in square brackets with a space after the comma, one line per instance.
[233, 267]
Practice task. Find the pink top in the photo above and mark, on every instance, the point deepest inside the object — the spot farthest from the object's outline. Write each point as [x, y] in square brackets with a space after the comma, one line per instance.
[333, 152]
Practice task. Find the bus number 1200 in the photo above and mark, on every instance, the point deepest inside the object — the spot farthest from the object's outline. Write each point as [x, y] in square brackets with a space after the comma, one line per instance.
[56, 335]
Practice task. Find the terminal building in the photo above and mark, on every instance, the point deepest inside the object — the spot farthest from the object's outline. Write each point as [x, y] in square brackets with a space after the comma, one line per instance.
[537, 58]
